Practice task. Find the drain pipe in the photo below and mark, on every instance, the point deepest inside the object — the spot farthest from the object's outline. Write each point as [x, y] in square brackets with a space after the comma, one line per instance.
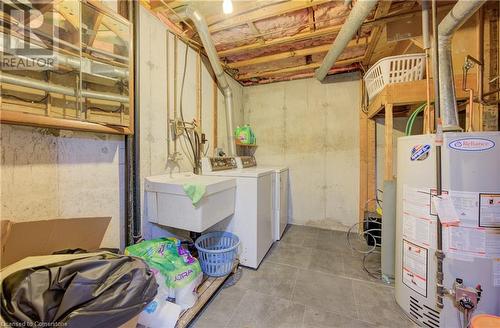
[457, 16]
[358, 14]
[202, 29]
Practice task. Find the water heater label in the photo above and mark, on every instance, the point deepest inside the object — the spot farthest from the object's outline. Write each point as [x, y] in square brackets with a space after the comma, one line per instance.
[489, 210]
[471, 144]
[420, 152]
[415, 267]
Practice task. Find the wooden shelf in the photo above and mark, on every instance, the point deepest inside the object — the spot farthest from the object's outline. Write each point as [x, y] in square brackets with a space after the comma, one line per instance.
[238, 143]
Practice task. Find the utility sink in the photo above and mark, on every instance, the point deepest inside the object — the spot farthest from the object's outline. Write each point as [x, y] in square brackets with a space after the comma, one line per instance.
[167, 204]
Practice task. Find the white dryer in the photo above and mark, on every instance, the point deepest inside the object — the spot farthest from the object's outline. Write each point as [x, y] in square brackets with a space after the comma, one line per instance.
[252, 219]
[280, 193]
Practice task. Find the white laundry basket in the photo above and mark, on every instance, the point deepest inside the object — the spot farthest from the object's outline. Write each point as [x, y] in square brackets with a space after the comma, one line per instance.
[395, 69]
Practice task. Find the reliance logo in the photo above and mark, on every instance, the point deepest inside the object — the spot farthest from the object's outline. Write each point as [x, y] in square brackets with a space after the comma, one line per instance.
[471, 144]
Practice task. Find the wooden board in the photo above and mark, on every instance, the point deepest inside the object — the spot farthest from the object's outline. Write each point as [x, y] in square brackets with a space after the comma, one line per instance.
[414, 92]
[205, 292]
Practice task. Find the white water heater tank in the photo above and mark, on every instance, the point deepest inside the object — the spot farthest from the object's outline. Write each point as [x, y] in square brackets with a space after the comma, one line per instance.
[470, 206]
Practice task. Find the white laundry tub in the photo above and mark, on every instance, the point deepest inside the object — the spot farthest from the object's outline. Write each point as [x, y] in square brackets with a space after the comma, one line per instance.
[167, 204]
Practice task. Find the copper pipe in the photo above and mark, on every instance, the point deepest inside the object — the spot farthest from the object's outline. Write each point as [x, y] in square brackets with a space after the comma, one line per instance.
[469, 111]
[427, 110]
[480, 47]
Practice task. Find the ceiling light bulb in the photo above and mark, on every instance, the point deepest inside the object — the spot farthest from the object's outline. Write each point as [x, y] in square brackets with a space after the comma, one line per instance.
[227, 6]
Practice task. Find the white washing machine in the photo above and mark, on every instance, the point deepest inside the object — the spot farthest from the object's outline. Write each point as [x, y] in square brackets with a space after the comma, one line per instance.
[252, 219]
[280, 193]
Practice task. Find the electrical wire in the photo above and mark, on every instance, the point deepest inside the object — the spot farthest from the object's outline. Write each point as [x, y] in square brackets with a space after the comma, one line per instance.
[194, 162]
[116, 110]
[366, 235]
[33, 101]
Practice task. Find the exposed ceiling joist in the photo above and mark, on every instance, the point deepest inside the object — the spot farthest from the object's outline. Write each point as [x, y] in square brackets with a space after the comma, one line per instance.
[294, 69]
[382, 10]
[294, 53]
[262, 13]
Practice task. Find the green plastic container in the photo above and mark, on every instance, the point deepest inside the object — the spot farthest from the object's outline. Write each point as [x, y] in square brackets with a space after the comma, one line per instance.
[245, 135]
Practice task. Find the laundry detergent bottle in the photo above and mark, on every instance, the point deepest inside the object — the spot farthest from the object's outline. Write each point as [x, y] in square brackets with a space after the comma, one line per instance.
[245, 135]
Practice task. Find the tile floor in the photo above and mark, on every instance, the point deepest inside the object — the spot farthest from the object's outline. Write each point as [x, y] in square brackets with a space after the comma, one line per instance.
[309, 279]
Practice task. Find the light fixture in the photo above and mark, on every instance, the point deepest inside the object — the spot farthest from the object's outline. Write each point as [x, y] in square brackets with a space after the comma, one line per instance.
[227, 6]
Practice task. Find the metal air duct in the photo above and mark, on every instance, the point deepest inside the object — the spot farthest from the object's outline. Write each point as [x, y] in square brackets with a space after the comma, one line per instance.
[202, 29]
[358, 14]
[457, 16]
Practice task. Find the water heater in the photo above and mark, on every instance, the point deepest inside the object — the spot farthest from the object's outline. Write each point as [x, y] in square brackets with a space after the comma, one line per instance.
[470, 208]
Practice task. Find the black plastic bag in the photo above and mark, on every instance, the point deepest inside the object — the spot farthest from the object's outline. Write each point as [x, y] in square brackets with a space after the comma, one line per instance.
[98, 290]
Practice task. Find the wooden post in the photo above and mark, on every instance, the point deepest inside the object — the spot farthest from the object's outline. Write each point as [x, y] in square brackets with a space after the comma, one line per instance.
[372, 169]
[198, 90]
[363, 164]
[388, 171]
[367, 180]
[215, 91]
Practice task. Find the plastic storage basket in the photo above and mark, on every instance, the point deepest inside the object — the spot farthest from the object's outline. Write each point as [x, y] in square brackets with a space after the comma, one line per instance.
[217, 251]
[394, 69]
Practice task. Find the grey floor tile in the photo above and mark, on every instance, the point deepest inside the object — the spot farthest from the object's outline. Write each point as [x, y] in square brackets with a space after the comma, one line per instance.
[376, 304]
[315, 318]
[333, 241]
[353, 266]
[326, 292]
[296, 256]
[271, 278]
[220, 309]
[257, 310]
[300, 236]
[326, 262]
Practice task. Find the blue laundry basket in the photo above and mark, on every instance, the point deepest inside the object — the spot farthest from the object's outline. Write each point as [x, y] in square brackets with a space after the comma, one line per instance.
[217, 251]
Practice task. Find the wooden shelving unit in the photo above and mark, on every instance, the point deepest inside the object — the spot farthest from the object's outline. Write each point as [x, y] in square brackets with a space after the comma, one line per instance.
[386, 105]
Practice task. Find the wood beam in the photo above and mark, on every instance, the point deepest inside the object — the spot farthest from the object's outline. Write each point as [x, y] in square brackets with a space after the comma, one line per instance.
[382, 10]
[286, 70]
[293, 53]
[264, 12]
[402, 47]
[278, 41]
[388, 165]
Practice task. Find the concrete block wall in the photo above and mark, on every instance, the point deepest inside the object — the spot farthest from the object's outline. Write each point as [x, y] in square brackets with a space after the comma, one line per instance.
[313, 129]
[48, 174]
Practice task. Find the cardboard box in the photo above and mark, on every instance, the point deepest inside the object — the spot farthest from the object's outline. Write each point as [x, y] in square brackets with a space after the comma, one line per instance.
[34, 238]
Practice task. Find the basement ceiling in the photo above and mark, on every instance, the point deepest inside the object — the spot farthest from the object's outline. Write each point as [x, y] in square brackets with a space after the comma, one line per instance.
[267, 41]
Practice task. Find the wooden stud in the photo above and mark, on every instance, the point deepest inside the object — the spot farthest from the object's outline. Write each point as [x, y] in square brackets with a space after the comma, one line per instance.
[198, 91]
[363, 164]
[371, 164]
[215, 93]
[388, 161]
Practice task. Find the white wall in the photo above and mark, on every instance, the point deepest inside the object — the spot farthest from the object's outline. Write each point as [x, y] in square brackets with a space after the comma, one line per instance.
[48, 174]
[154, 104]
[314, 129]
